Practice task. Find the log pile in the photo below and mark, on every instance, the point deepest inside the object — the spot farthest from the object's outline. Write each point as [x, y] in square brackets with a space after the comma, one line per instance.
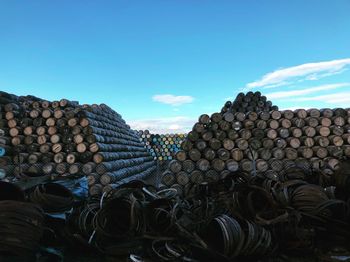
[259, 142]
[64, 139]
[163, 147]
[11, 108]
[250, 102]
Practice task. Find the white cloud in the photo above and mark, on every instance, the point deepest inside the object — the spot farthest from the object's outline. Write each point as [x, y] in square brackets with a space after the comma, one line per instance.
[308, 71]
[311, 90]
[173, 100]
[179, 124]
[341, 99]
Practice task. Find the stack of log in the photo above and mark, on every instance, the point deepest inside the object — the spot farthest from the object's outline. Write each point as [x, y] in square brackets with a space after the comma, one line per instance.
[264, 142]
[11, 106]
[63, 139]
[163, 147]
[250, 102]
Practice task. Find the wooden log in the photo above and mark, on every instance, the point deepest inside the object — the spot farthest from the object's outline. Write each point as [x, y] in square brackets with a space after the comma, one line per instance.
[168, 178]
[301, 113]
[261, 124]
[276, 115]
[248, 124]
[298, 122]
[346, 150]
[47, 158]
[264, 153]
[323, 130]
[42, 139]
[262, 165]
[237, 154]
[220, 135]
[204, 119]
[251, 154]
[307, 141]
[74, 169]
[280, 143]
[291, 153]
[242, 144]
[246, 165]
[72, 158]
[346, 138]
[34, 158]
[95, 189]
[267, 143]
[271, 133]
[182, 178]
[264, 115]
[305, 152]
[337, 130]
[245, 134]
[188, 166]
[288, 114]
[57, 147]
[278, 153]
[48, 168]
[313, 112]
[194, 154]
[335, 151]
[52, 130]
[175, 166]
[296, 132]
[309, 131]
[312, 121]
[203, 165]
[197, 177]
[325, 121]
[211, 176]
[321, 141]
[59, 157]
[88, 168]
[45, 148]
[338, 121]
[276, 164]
[28, 140]
[209, 153]
[29, 130]
[293, 142]
[181, 156]
[336, 140]
[320, 152]
[283, 132]
[332, 163]
[272, 123]
[285, 123]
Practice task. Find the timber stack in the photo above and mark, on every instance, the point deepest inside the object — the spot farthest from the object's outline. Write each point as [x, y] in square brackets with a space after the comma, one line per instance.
[263, 142]
[63, 139]
[163, 147]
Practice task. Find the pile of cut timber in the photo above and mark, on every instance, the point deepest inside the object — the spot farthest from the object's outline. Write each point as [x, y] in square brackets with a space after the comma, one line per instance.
[259, 142]
[163, 147]
[63, 139]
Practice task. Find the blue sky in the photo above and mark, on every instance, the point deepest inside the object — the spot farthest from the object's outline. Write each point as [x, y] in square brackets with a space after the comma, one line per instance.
[163, 63]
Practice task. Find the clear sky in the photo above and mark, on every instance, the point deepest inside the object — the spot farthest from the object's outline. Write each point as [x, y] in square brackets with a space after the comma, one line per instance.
[163, 63]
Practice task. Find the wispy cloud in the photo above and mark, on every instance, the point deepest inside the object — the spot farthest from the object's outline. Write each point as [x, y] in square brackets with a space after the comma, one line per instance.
[307, 91]
[173, 100]
[179, 124]
[341, 99]
[299, 73]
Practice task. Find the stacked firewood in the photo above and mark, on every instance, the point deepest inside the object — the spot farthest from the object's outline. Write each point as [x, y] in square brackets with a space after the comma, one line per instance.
[250, 102]
[163, 147]
[10, 108]
[64, 139]
[262, 142]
